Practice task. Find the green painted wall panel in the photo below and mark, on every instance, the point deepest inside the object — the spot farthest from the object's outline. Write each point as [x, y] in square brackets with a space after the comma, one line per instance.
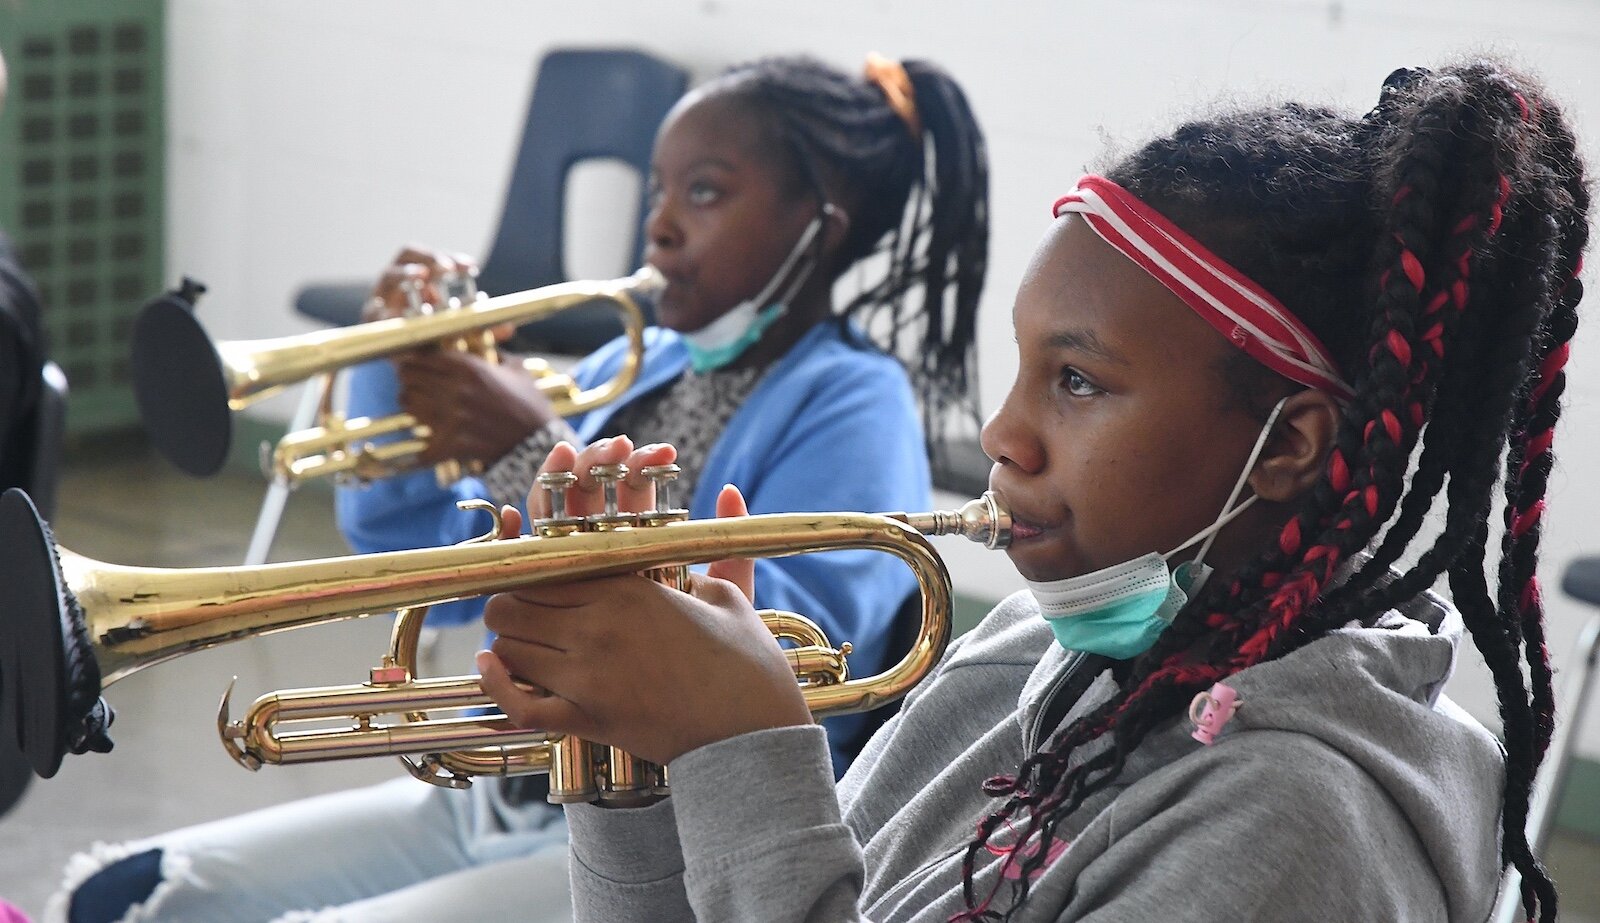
[82, 157]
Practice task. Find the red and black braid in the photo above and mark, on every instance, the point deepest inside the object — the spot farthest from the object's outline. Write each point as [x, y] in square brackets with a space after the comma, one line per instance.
[1433, 246]
[1530, 458]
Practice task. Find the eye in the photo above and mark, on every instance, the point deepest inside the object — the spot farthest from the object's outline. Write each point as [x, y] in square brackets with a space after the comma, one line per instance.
[1077, 385]
[703, 193]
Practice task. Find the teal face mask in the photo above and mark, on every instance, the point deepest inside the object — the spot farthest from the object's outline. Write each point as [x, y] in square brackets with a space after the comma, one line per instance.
[725, 339]
[1120, 610]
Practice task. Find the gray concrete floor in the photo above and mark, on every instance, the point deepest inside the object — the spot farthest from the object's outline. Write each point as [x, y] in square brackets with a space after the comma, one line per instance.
[120, 505]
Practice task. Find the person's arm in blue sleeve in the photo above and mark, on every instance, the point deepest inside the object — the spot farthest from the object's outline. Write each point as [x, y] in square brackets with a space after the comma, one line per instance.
[409, 510]
[856, 446]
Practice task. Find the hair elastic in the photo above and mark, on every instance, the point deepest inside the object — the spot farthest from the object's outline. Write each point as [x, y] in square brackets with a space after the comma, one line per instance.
[890, 76]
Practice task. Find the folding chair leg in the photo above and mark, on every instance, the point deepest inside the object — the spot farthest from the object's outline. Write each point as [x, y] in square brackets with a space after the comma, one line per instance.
[278, 491]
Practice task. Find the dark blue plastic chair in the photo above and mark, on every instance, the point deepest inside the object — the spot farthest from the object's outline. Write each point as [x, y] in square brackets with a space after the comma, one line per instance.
[589, 103]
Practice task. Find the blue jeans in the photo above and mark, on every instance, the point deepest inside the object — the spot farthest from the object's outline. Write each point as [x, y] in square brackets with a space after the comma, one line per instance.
[396, 851]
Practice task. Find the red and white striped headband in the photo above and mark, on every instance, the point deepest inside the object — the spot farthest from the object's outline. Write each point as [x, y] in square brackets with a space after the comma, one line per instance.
[1238, 308]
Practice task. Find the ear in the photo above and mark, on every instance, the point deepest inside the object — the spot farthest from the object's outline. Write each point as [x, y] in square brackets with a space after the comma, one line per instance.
[835, 227]
[1296, 454]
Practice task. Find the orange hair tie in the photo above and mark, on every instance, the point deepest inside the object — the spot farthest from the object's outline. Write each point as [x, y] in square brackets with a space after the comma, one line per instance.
[891, 77]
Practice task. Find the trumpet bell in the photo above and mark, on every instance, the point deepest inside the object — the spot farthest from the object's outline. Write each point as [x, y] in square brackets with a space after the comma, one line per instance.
[180, 383]
[186, 384]
[49, 679]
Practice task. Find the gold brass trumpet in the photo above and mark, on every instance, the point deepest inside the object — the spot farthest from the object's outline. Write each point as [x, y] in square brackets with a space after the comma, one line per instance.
[79, 624]
[186, 384]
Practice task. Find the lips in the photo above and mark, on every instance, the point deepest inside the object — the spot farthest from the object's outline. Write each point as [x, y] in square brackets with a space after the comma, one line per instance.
[1022, 526]
[672, 296]
[1022, 530]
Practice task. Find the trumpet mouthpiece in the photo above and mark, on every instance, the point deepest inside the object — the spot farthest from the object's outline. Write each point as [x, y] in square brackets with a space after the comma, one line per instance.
[984, 520]
[647, 281]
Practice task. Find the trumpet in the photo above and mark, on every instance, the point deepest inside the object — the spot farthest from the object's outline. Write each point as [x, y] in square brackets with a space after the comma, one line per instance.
[186, 385]
[79, 624]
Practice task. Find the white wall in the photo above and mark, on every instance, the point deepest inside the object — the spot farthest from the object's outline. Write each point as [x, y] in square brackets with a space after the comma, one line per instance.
[310, 139]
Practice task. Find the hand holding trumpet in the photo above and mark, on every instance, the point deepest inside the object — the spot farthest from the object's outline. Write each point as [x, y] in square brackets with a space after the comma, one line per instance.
[628, 662]
[476, 410]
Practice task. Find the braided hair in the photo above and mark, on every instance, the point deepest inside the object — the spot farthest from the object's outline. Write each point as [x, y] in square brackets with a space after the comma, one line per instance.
[1434, 246]
[920, 200]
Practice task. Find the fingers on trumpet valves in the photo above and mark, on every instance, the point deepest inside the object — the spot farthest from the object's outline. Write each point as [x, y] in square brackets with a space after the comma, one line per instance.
[609, 481]
[422, 279]
[390, 296]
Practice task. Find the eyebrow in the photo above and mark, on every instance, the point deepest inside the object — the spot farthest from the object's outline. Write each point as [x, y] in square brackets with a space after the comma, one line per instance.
[1083, 340]
[717, 162]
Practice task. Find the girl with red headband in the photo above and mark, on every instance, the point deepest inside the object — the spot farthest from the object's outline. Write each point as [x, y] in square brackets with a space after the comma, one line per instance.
[1261, 349]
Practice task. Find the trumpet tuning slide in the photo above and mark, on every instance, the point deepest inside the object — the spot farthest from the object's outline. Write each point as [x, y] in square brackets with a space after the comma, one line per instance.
[180, 383]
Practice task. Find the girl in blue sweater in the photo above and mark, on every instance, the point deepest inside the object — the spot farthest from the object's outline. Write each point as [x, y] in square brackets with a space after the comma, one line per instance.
[767, 184]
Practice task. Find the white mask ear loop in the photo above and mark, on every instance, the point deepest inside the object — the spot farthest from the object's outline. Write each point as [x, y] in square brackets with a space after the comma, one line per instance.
[764, 297]
[1229, 511]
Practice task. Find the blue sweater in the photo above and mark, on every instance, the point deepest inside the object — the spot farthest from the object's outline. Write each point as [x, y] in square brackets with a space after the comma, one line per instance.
[831, 426]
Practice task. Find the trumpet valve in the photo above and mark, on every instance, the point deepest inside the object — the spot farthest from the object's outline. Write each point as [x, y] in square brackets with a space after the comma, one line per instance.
[556, 484]
[461, 287]
[609, 476]
[661, 477]
[629, 781]
[411, 287]
[572, 771]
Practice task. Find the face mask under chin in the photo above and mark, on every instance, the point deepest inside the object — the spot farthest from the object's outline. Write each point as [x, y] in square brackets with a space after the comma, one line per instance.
[1120, 611]
[724, 340]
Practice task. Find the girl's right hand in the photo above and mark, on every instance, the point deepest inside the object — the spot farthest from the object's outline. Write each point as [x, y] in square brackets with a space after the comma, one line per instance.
[628, 662]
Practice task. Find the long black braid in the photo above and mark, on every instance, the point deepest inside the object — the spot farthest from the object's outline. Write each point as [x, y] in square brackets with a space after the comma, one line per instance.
[922, 201]
[1433, 245]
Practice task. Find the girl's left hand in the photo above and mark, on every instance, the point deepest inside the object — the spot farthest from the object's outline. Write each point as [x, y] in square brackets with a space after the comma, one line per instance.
[628, 662]
[477, 410]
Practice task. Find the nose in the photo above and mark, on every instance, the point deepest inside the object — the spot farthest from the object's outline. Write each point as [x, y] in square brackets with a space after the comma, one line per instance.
[662, 234]
[1009, 440]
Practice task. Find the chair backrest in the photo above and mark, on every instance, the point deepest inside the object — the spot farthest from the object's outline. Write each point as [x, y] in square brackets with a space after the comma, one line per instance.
[49, 435]
[587, 103]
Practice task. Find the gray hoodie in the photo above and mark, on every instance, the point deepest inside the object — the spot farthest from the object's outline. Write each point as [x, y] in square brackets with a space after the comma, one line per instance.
[1346, 788]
